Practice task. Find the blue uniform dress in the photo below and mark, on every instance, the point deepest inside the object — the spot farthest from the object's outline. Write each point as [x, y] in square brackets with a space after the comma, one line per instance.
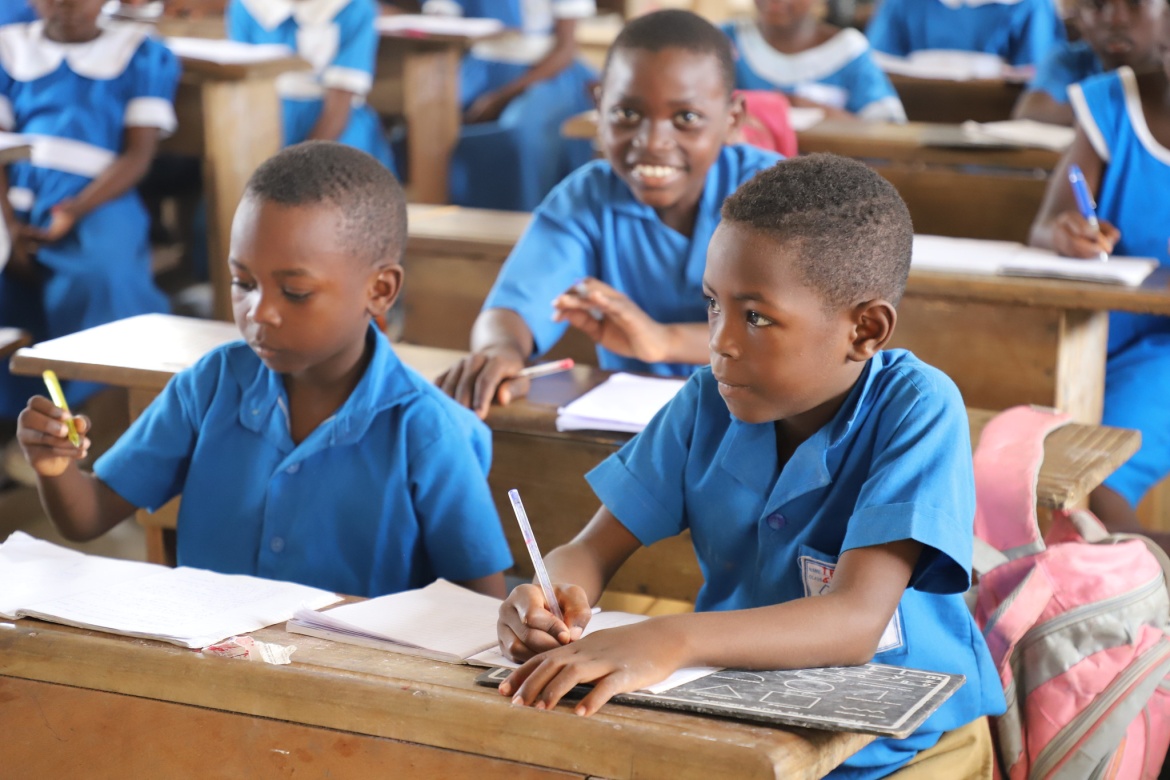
[1134, 195]
[1067, 64]
[336, 37]
[386, 495]
[13, 11]
[513, 162]
[840, 72]
[893, 464]
[1021, 32]
[75, 101]
[592, 225]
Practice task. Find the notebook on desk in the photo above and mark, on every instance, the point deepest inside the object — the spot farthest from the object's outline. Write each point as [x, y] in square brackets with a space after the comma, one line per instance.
[1007, 258]
[225, 52]
[430, 24]
[625, 403]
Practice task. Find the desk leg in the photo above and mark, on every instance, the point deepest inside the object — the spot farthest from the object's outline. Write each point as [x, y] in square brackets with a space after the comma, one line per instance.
[241, 129]
[430, 82]
[1003, 355]
[160, 526]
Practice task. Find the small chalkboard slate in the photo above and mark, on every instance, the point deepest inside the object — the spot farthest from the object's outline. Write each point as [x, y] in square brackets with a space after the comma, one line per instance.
[889, 701]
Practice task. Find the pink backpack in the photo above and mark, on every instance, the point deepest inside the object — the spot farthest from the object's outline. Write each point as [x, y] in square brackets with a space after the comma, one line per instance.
[1075, 621]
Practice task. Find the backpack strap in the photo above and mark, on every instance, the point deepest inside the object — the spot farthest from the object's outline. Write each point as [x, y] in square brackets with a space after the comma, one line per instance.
[1007, 465]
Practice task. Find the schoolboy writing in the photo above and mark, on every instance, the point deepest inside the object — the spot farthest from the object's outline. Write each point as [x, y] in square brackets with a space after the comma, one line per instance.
[619, 246]
[787, 47]
[1112, 33]
[1123, 147]
[827, 484]
[96, 98]
[305, 452]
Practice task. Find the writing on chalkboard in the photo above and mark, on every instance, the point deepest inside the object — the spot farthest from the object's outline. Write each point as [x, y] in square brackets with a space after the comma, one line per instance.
[890, 701]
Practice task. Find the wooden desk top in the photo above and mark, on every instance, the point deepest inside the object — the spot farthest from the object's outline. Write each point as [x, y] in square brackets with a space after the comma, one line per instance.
[438, 228]
[203, 71]
[144, 352]
[365, 691]
[12, 339]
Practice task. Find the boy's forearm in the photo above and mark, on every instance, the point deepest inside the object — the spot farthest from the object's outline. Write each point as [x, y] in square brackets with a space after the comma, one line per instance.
[119, 178]
[575, 564]
[688, 343]
[81, 506]
[501, 329]
[334, 117]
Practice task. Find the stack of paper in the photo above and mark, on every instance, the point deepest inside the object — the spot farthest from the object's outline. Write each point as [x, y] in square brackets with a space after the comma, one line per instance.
[225, 52]
[943, 65]
[444, 622]
[1021, 132]
[428, 24]
[624, 403]
[186, 607]
[800, 119]
[1007, 258]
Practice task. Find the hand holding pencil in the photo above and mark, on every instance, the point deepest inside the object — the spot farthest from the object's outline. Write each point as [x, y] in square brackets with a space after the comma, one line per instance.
[46, 433]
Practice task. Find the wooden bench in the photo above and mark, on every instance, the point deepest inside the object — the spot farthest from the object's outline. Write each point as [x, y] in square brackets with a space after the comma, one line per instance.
[547, 466]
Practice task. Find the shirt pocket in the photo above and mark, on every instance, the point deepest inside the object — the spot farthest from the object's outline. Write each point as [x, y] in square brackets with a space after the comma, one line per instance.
[816, 574]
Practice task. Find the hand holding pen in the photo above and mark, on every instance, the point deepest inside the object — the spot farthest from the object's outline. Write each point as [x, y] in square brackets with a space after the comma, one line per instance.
[1082, 234]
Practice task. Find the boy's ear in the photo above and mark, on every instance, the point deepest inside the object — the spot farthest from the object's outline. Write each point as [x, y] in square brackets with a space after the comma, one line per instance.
[873, 325]
[385, 284]
[736, 114]
[595, 94]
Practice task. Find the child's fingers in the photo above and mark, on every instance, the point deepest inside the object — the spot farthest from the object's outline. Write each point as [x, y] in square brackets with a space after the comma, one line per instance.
[603, 690]
[83, 424]
[576, 609]
[512, 388]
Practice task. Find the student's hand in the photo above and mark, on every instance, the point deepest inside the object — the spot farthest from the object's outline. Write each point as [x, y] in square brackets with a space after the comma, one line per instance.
[483, 376]
[487, 107]
[527, 627]
[1072, 236]
[616, 660]
[612, 320]
[44, 437]
[62, 218]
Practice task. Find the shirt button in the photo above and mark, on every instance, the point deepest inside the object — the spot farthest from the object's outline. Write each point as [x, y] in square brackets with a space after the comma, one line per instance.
[255, 412]
[293, 469]
[277, 544]
[776, 521]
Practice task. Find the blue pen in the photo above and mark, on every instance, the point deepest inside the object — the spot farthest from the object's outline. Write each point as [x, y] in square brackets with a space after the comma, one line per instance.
[1085, 202]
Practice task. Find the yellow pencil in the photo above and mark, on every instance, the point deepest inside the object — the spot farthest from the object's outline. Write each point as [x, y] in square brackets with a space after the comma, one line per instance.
[58, 396]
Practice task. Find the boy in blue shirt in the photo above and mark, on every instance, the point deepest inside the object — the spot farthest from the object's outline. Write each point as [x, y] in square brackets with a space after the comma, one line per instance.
[1113, 33]
[306, 452]
[619, 246]
[827, 484]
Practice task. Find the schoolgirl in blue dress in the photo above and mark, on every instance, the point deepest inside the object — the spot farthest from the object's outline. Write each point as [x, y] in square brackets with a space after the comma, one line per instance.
[815, 64]
[1123, 147]
[1113, 33]
[94, 101]
[516, 91]
[336, 37]
[1020, 32]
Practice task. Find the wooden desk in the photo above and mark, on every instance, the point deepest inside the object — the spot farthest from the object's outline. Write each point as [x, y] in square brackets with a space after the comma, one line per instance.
[932, 100]
[142, 353]
[79, 702]
[12, 339]
[230, 117]
[938, 173]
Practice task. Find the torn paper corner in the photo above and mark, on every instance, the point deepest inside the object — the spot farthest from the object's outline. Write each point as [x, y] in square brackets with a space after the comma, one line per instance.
[249, 649]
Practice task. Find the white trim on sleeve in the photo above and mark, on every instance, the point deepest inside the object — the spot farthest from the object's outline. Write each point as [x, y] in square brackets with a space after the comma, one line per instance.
[574, 9]
[1076, 97]
[152, 112]
[359, 82]
[887, 109]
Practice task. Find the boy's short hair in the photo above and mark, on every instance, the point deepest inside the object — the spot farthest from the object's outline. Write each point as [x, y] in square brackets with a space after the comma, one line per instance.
[676, 29]
[369, 198]
[851, 228]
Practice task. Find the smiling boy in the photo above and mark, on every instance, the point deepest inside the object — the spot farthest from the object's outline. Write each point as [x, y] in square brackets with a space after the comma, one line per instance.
[619, 246]
[307, 452]
[805, 454]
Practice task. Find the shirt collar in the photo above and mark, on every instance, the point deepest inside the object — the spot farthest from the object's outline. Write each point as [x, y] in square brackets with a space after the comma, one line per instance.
[270, 14]
[26, 54]
[385, 383]
[748, 452]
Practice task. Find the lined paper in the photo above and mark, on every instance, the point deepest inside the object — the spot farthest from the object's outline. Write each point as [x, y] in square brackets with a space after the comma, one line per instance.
[624, 403]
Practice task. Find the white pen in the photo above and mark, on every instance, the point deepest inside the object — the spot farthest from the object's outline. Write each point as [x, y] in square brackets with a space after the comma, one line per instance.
[544, 369]
[550, 596]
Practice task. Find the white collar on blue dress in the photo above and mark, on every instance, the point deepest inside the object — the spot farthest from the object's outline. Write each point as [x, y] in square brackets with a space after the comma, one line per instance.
[977, 3]
[270, 14]
[26, 54]
[809, 65]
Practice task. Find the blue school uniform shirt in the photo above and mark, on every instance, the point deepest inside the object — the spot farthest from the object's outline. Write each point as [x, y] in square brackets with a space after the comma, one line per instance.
[75, 103]
[894, 463]
[338, 39]
[1021, 32]
[839, 73]
[592, 225]
[1065, 65]
[1133, 195]
[14, 11]
[386, 495]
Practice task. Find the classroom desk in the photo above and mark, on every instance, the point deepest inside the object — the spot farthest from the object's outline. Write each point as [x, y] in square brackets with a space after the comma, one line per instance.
[229, 116]
[12, 339]
[937, 172]
[935, 100]
[85, 704]
[142, 353]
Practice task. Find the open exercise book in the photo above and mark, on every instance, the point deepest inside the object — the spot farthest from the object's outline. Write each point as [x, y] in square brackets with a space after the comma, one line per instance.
[624, 403]
[1007, 258]
[444, 622]
[187, 607]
